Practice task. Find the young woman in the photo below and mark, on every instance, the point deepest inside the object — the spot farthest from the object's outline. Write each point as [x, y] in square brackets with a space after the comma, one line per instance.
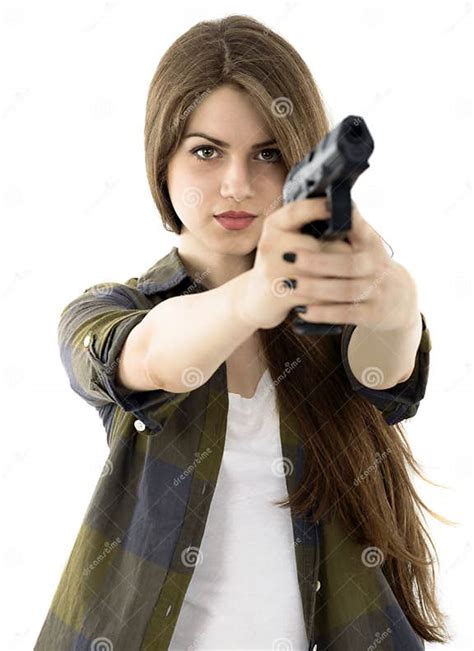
[216, 412]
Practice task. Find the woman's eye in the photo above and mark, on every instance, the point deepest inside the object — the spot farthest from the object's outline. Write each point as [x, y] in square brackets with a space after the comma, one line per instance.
[213, 149]
[277, 151]
[203, 147]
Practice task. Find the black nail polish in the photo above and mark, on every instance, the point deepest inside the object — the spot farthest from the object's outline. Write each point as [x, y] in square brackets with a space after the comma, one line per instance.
[290, 282]
[301, 309]
[289, 257]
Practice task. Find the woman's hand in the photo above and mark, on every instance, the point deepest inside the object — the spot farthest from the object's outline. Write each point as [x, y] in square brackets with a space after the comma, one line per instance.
[339, 282]
[266, 300]
[370, 288]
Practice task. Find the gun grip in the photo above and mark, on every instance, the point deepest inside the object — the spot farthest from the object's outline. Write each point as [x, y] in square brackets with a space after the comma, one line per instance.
[302, 327]
[336, 227]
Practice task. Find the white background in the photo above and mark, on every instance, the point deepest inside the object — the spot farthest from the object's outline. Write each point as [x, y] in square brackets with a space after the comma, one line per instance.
[76, 210]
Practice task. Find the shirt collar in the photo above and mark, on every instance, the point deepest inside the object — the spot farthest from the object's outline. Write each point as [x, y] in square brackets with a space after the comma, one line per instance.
[166, 273]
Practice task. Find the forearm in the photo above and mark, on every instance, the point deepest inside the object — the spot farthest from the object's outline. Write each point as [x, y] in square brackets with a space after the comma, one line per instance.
[380, 360]
[190, 336]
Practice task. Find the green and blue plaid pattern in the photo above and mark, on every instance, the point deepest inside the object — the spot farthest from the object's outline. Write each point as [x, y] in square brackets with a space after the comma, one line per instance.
[127, 574]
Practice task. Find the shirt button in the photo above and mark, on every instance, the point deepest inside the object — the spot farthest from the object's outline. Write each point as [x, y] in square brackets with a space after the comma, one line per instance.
[318, 585]
[139, 425]
[87, 340]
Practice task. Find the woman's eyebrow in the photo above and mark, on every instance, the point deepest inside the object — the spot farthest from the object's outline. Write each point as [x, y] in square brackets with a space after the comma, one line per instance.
[221, 143]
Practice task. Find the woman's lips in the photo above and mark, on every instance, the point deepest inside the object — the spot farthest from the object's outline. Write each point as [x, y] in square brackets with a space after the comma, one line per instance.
[234, 223]
[237, 214]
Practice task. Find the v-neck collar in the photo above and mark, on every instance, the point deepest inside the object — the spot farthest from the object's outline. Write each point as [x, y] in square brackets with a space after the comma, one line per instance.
[238, 398]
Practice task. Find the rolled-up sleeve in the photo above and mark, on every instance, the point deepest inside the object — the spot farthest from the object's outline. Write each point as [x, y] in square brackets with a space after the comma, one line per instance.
[92, 331]
[402, 400]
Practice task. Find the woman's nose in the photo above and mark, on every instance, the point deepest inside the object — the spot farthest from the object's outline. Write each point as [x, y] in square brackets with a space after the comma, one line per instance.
[237, 183]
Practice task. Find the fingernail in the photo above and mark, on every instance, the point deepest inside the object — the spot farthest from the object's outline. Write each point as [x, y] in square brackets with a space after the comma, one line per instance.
[289, 257]
[301, 309]
[290, 282]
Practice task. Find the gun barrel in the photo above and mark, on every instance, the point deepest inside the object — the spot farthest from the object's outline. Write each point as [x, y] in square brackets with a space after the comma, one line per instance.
[331, 168]
[342, 154]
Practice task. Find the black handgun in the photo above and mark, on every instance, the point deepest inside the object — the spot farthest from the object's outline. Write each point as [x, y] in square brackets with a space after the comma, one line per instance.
[330, 168]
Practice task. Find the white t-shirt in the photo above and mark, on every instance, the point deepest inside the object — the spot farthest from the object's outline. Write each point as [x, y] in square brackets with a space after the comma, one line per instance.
[244, 592]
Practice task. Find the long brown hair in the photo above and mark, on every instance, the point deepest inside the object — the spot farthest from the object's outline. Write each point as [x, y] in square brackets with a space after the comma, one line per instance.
[342, 433]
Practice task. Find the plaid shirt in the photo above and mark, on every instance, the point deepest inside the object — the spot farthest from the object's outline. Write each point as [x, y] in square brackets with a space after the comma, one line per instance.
[127, 574]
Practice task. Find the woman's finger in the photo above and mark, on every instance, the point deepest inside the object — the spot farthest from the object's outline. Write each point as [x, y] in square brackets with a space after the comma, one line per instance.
[340, 314]
[332, 290]
[340, 265]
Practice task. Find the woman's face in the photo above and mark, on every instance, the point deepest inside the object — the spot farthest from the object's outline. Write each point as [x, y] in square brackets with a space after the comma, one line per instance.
[205, 178]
